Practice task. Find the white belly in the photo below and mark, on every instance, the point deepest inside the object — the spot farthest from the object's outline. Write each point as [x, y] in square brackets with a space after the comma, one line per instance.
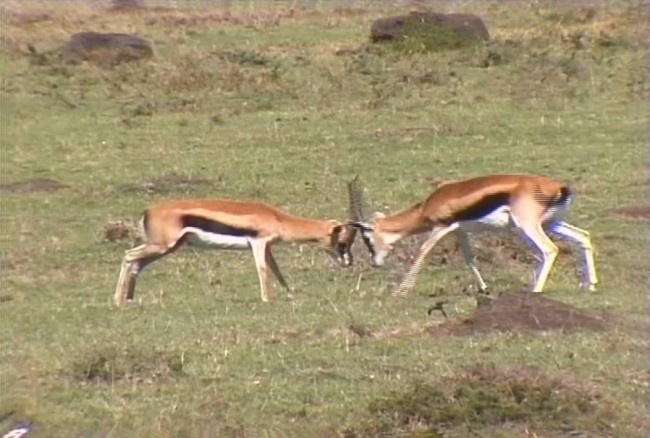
[499, 218]
[198, 237]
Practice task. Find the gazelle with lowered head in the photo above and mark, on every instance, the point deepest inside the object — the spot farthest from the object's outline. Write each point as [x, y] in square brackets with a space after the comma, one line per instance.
[228, 224]
[533, 206]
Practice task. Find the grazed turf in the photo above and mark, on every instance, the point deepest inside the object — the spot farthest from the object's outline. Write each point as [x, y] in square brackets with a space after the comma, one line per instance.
[266, 103]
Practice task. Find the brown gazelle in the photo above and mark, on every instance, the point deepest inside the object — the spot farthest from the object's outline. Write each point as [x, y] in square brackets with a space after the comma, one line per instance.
[228, 224]
[529, 205]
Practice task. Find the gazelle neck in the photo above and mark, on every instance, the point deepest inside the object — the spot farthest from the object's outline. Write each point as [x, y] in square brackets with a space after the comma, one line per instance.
[403, 223]
[302, 229]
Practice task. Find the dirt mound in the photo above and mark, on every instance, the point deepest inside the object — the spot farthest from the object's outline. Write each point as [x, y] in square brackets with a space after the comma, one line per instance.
[106, 48]
[432, 30]
[33, 185]
[521, 311]
[637, 212]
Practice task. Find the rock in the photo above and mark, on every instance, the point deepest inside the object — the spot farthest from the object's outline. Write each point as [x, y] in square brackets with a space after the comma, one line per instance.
[106, 48]
[463, 27]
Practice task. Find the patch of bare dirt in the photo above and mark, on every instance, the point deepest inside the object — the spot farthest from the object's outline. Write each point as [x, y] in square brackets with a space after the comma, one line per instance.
[522, 311]
[120, 229]
[636, 212]
[165, 184]
[33, 185]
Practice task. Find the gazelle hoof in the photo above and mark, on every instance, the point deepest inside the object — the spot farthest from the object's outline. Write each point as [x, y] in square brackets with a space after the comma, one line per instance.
[589, 287]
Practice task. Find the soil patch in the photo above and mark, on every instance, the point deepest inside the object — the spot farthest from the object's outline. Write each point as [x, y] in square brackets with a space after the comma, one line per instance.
[118, 230]
[33, 185]
[521, 311]
[636, 212]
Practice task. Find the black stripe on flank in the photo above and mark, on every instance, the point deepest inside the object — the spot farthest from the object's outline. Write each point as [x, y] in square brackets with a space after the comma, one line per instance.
[482, 208]
[212, 226]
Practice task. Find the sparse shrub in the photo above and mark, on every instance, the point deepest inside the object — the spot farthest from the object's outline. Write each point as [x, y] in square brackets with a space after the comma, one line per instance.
[485, 395]
[420, 32]
[245, 57]
[421, 37]
[190, 73]
[497, 53]
[110, 364]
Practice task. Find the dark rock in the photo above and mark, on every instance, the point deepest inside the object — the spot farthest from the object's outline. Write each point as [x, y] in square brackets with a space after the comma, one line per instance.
[106, 48]
[466, 27]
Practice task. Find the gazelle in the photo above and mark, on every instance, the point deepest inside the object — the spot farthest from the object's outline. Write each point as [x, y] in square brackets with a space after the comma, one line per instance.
[228, 224]
[530, 205]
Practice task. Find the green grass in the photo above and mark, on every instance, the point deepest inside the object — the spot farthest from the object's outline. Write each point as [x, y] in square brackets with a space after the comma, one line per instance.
[287, 113]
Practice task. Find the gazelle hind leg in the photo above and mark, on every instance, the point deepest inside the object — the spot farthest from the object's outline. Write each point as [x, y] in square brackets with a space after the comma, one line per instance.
[270, 261]
[581, 239]
[411, 276]
[468, 256]
[548, 250]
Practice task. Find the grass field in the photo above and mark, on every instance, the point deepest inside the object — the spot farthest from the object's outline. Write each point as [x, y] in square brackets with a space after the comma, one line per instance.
[285, 103]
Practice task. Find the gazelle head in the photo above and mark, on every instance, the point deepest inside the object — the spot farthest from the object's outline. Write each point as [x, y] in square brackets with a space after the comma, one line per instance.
[377, 243]
[339, 243]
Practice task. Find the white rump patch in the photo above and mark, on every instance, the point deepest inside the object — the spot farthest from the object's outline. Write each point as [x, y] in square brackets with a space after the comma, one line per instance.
[198, 237]
[555, 212]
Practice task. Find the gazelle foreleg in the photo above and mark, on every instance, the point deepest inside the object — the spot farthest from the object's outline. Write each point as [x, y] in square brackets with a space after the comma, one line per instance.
[134, 261]
[468, 256]
[259, 248]
[580, 238]
[409, 279]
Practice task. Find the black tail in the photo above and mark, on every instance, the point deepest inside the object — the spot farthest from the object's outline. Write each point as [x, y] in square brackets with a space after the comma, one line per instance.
[563, 196]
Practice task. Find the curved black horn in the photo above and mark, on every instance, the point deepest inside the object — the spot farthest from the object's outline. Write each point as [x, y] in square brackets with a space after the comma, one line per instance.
[355, 194]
